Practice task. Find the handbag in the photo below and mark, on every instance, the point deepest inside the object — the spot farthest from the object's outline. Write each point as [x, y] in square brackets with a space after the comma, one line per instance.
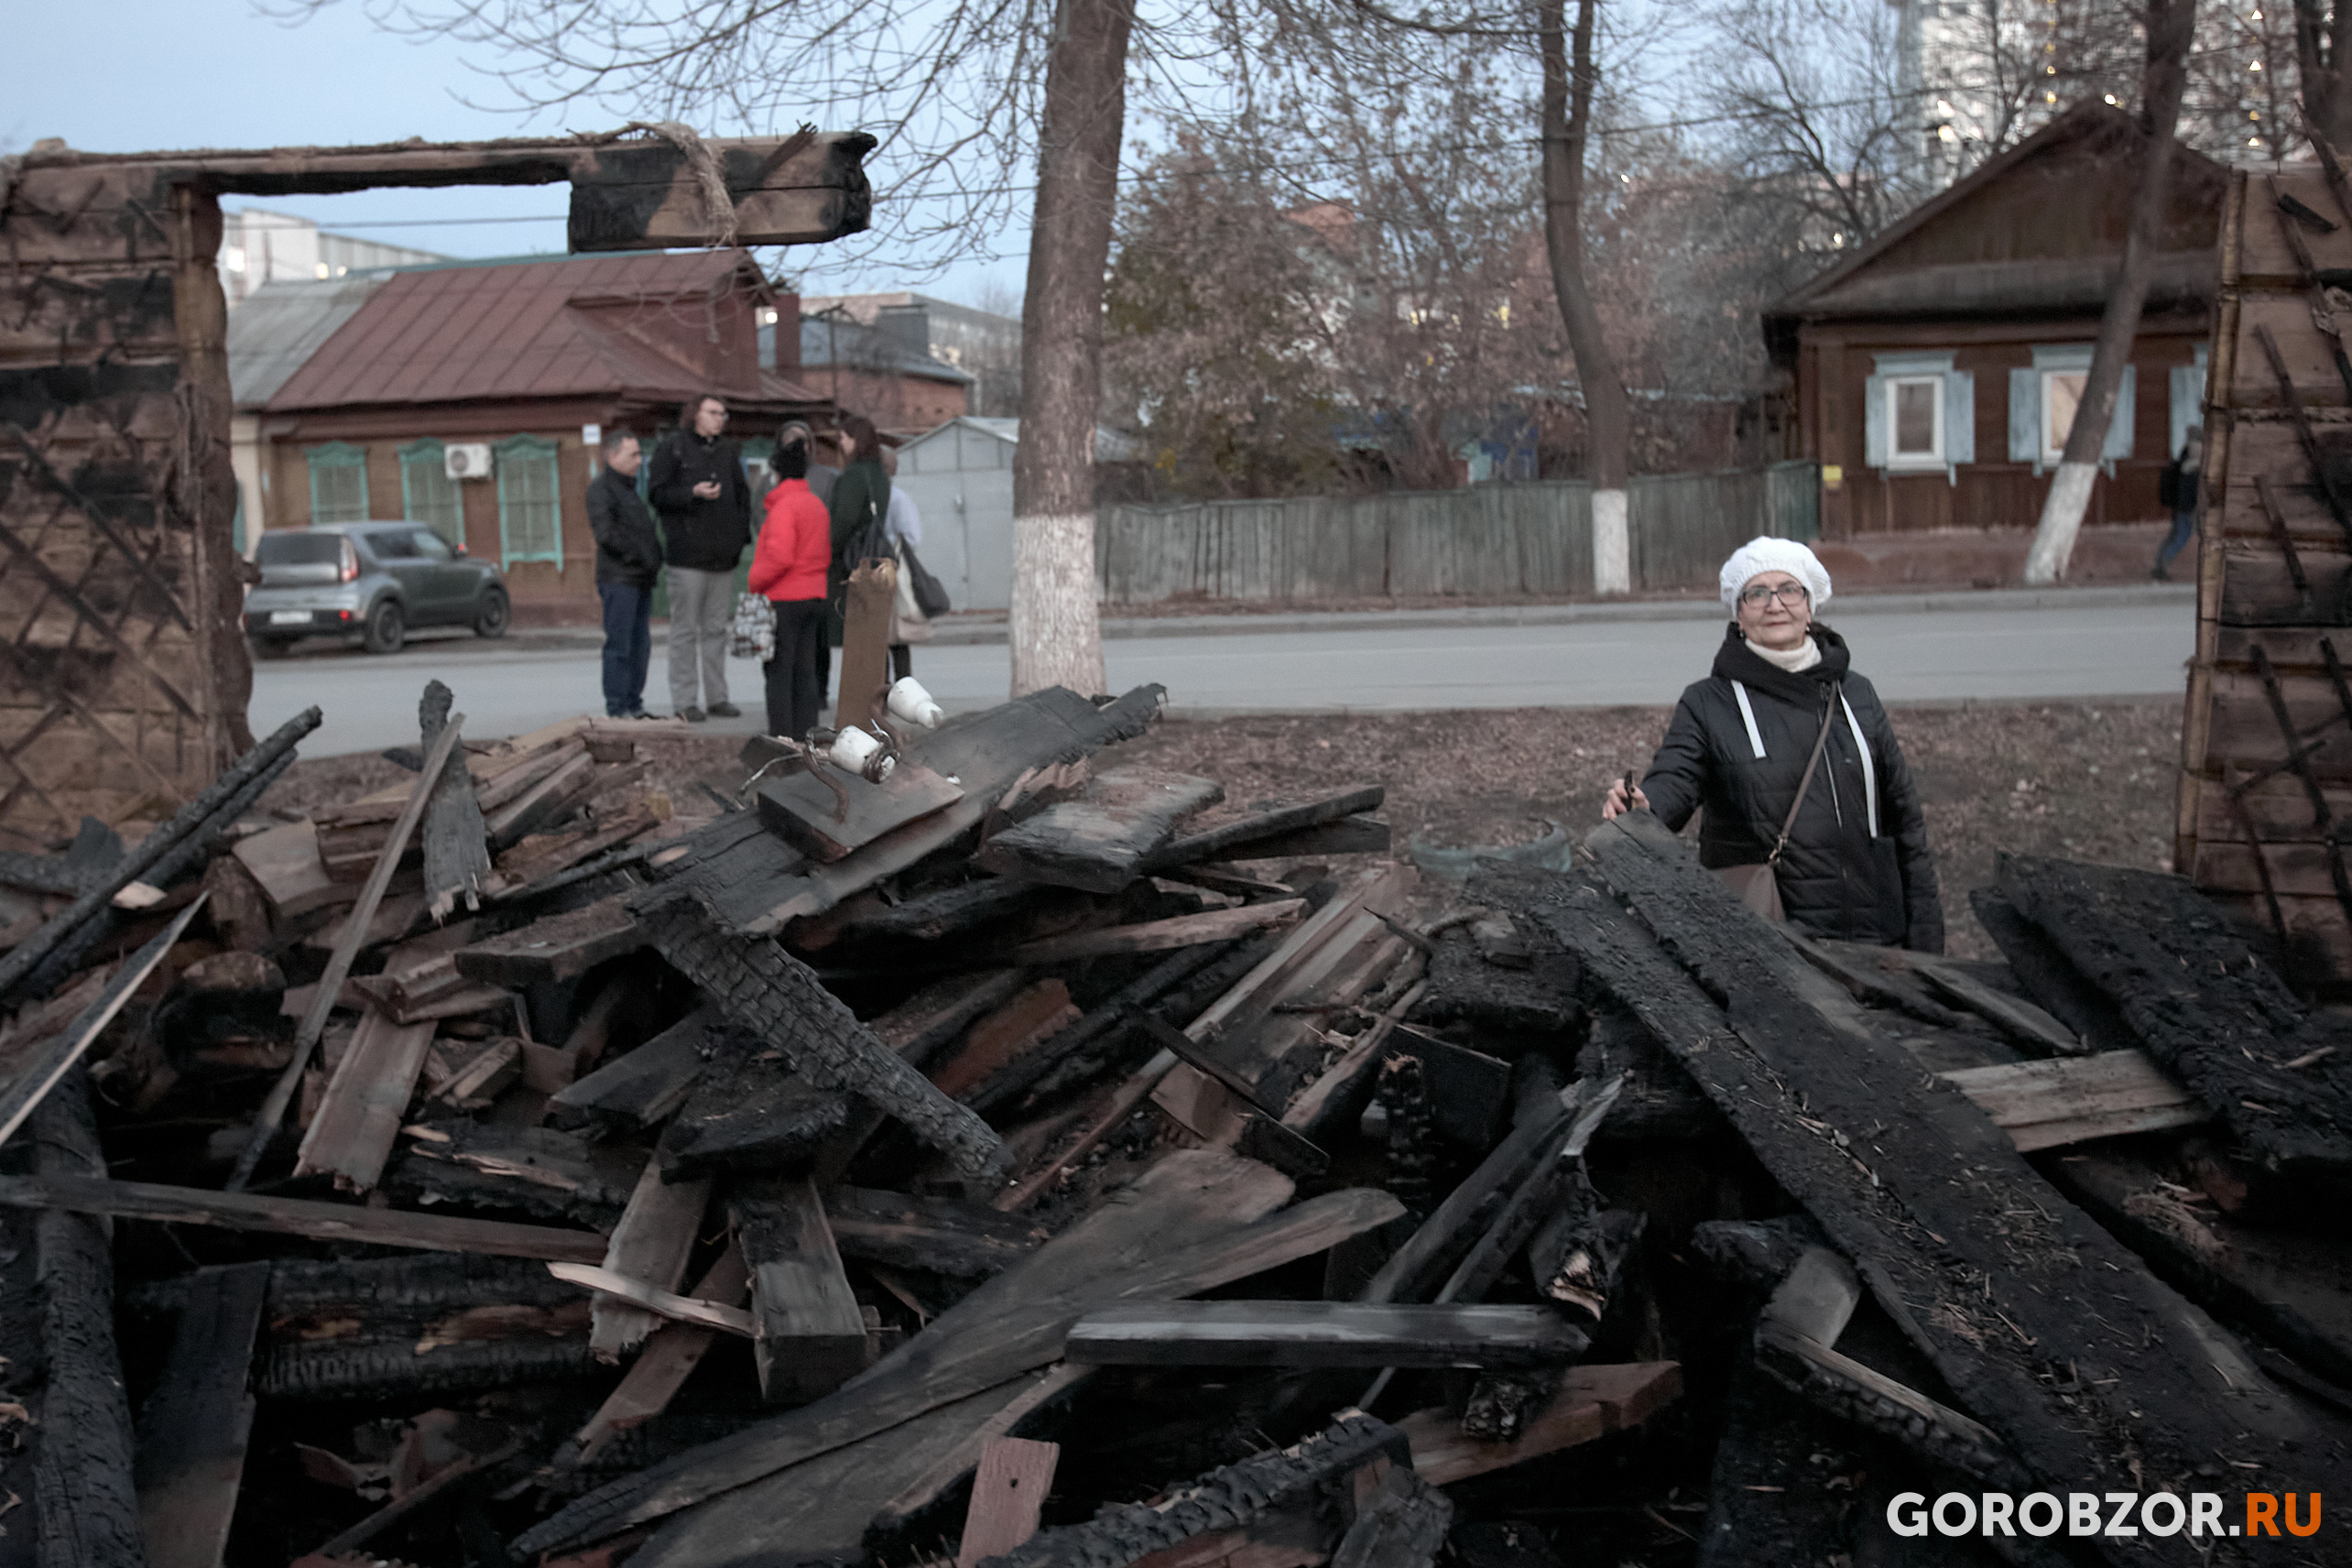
[754, 632]
[1757, 885]
[931, 597]
[908, 622]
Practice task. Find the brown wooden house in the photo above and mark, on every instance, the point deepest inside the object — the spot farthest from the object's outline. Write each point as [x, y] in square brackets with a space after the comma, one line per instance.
[532, 360]
[1935, 371]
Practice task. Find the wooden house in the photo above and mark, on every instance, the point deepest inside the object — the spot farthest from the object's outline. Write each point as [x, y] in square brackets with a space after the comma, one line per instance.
[532, 360]
[1936, 369]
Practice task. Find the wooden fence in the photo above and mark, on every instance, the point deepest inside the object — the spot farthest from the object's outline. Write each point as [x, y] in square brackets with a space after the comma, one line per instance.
[1491, 540]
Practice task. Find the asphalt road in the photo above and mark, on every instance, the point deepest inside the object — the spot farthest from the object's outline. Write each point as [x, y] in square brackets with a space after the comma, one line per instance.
[2071, 644]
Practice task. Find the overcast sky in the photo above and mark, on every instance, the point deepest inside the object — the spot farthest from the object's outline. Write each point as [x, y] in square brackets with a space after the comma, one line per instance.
[138, 75]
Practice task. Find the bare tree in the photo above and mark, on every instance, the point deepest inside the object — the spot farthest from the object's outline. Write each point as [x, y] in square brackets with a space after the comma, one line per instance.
[1567, 119]
[2171, 25]
[2323, 39]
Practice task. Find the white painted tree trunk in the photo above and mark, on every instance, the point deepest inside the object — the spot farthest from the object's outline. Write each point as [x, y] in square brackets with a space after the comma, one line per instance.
[1056, 638]
[1612, 544]
[2061, 521]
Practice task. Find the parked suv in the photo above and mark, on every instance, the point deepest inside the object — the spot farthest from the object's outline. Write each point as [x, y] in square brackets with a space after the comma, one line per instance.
[374, 579]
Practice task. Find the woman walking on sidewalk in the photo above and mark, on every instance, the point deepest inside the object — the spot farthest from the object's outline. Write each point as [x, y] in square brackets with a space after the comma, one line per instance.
[787, 566]
[1810, 813]
[2177, 488]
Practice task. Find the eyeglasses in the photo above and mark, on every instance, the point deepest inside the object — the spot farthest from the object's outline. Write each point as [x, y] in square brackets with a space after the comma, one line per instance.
[1789, 594]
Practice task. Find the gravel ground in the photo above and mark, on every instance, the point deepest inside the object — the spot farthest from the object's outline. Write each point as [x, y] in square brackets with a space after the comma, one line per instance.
[2091, 782]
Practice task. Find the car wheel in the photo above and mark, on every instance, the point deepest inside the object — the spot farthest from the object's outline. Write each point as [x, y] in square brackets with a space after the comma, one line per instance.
[490, 620]
[387, 628]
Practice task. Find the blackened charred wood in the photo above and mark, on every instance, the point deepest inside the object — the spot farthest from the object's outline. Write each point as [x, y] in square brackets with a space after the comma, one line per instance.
[396, 1328]
[2208, 1009]
[1659, 1101]
[1220, 840]
[640, 1088]
[1576, 1256]
[1404, 1524]
[1503, 1405]
[30, 953]
[193, 1427]
[752, 1111]
[1757, 1254]
[944, 912]
[1421, 1266]
[1099, 842]
[1412, 1153]
[1469, 1090]
[85, 1505]
[1537, 996]
[1176, 990]
[941, 1235]
[2049, 977]
[1345, 835]
[532, 1169]
[761, 988]
[1323, 1333]
[1229, 1498]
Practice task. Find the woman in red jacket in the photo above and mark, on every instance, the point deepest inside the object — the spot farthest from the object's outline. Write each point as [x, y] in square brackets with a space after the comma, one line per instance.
[789, 568]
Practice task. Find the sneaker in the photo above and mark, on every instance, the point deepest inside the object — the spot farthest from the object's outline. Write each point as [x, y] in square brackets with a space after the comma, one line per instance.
[691, 715]
[2159, 576]
[638, 713]
[725, 711]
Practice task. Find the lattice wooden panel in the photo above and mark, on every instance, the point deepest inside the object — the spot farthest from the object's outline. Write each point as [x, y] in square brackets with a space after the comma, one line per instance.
[2265, 810]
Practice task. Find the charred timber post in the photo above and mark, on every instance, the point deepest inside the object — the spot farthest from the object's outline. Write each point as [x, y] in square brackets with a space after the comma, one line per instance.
[763, 988]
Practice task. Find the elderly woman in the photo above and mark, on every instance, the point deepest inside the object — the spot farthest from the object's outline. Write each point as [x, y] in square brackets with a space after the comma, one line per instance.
[1796, 764]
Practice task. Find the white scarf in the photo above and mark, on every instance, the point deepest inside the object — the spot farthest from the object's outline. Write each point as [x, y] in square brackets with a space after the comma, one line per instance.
[1795, 660]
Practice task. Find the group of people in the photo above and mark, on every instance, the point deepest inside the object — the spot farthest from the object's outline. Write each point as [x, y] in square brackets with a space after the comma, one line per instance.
[830, 503]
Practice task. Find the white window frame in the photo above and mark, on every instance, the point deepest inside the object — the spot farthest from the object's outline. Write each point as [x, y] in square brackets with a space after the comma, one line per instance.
[1930, 461]
[2053, 454]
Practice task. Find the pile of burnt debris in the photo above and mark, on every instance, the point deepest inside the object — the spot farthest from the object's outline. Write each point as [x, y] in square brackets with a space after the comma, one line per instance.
[964, 1146]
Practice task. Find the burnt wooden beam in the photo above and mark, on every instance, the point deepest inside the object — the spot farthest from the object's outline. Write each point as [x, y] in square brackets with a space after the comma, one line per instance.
[2208, 1009]
[1221, 840]
[1315, 1477]
[1160, 936]
[538, 1170]
[751, 1111]
[2006, 1285]
[554, 947]
[193, 1427]
[1320, 1334]
[944, 1236]
[2049, 977]
[296, 1216]
[809, 1334]
[801, 810]
[85, 1505]
[352, 1135]
[640, 1088]
[1189, 1224]
[1099, 842]
[759, 987]
[661, 1369]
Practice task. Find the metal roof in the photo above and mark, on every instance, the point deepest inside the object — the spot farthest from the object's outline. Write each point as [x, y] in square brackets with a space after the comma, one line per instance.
[636, 324]
[278, 327]
[853, 345]
[1110, 445]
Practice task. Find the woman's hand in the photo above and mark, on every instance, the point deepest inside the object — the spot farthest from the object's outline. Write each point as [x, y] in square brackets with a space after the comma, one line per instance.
[1623, 797]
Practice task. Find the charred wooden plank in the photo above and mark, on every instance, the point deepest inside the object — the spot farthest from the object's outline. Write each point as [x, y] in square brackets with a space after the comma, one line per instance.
[51, 1046]
[2208, 1009]
[85, 1508]
[1023, 1023]
[810, 1335]
[642, 1087]
[1320, 1334]
[1189, 1224]
[296, 1216]
[192, 1428]
[674, 1351]
[1345, 836]
[1160, 936]
[2049, 977]
[800, 810]
[556, 947]
[655, 1238]
[761, 988]
[1221, 840]
[352, 1135]
[2004, 1288]
[751, 1111]
[538, 1170]
[1099, 842]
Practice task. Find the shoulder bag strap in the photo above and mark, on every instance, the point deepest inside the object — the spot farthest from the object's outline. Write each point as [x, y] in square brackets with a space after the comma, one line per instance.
[1820, 742]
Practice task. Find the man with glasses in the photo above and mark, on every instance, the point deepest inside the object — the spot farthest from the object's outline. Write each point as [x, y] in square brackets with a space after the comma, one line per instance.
[696, 482]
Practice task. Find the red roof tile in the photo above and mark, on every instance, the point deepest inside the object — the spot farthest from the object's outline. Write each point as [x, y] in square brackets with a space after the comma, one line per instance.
[577, 326]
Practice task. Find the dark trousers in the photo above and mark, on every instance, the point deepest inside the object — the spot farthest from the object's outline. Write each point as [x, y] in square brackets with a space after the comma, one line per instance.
[2184, 524]
[795, 697]
[902, 661]
[628, 645]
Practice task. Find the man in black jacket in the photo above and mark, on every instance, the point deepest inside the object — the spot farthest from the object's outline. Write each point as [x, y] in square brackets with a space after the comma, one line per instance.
[697, 485]
[628, 561]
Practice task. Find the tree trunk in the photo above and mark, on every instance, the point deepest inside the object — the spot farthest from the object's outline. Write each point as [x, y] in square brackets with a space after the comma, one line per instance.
[1608, 433]
[1056, 641]
[2322, 35]
[2171, 24]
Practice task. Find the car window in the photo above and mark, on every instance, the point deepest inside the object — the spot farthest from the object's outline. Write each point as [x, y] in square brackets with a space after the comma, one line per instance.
[392, 544]
[430, 545]
[298, 547]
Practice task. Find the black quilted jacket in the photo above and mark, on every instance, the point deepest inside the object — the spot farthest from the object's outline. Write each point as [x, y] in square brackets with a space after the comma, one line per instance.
[1836, 878]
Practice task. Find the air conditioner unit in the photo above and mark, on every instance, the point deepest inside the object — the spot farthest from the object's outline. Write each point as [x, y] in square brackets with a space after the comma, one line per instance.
[469, 462]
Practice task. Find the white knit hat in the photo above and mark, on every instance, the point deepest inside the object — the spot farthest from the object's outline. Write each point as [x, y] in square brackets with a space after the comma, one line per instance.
[1764, 553]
